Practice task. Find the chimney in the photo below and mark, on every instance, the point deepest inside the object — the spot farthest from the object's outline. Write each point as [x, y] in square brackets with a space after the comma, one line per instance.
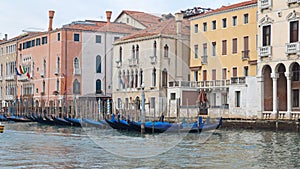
[179, 19]
[51, 15]
[5, 36]
[108, 16]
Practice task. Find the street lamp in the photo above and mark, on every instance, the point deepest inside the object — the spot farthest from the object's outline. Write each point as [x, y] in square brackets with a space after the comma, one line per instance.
[143, 109]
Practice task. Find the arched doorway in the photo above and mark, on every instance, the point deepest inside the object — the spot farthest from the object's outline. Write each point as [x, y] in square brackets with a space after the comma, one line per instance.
[295, 86]
[281, 88]
[268, 88]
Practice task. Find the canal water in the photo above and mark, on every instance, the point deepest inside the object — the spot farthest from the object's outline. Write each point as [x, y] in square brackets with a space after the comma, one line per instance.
[31, 145]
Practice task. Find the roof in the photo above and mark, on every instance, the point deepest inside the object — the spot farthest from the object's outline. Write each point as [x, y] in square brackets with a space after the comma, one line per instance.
[19, 37]
[229, 7]
[167, 27]
[143, 18]
[118, 28]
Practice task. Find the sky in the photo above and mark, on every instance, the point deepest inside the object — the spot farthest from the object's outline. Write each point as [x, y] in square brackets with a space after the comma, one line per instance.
[19, 16]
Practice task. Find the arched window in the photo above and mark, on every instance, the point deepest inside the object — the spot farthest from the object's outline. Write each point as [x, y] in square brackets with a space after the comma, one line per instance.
[98, 86]
[57, 65]
[141, 77]
[137, 52]
[154, 77]
[98, 64]
[76, 66]
[154, 49]
[44, 66]
[166, 50]
[76, 87]
[44, 86]
[120, 55]
[164, 78]
[133, 51]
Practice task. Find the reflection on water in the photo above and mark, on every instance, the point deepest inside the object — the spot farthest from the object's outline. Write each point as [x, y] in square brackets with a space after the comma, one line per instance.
[32, 145]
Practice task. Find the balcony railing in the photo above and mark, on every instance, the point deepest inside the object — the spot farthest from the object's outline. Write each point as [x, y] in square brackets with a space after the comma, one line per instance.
[204, 59]
[23, 77]
[200, 84]
[9, 77]
[77, 71]
[265, 51]
[292, 1]
[132, 62]
[153, 59]
[292, 48]
[265, 4]
[245, 54]
[238, 80]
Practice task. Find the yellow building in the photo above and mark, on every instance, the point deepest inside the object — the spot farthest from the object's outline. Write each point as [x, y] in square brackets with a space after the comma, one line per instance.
[223, 56]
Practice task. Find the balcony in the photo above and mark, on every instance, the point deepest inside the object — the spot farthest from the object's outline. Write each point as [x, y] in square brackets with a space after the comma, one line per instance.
[42, 73]
[56, 71]
[153, 59]
[264, 4]
[9, 77]
[238, 80]
[132, 62]
[245, 54]
[292, 48]
[23, 78]
[292, 1]
[77, 71]
[200, 84]
[265, 51]
[204, 59]
[119, 63]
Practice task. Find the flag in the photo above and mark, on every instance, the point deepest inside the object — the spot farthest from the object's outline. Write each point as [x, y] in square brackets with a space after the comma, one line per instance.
[17, 72]
[21, 70]
[28, 75]
[24, 70]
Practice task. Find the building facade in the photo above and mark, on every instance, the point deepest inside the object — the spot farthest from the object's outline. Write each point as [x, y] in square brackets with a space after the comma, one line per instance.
[224, 58]
[152, 57]
[278, 58]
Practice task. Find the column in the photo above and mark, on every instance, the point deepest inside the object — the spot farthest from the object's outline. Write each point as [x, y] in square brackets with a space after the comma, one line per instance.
[274, 76]
[260, 85]
[289, 93]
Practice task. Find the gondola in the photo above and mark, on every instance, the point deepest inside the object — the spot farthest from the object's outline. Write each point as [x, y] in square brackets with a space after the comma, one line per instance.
[3, 118]
[61, 121]
[75, 122]
[45, 120]
[92, 123]
[18, 119]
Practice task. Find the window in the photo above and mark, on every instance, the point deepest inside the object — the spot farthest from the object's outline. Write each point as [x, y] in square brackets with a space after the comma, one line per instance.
[98, 86]
[120, 101]
[58, 36]
[76, 37]
[234, 46]
[224, 73]
[224, 47]
[224, 23]
[164, 78]
[204, 49]
[44, 40]
[246, 18]
[295, 71]
[234, 20]
[76, 87]
[214, 25]
[196, 28]
[294, 31]
[266, 35]
[116, 38]
[234, 72]
[141, 77]
[195, 51]
[133, 52]
[295, 94]
[154, 77]
[98, 64]
[196, 75]
[44, 86]
[137, 54]
[58, 64]
[214, 74]
[204, 27]
[37, 42]
[173, 96]
[246, 47]
[237, 98]
[154, 49]
[57, 85]
[120, 55]
[245, 71]
[214, 49]
[152, 102]
[166, 51]
[76, 66]
[204, 78]
[98, 39]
